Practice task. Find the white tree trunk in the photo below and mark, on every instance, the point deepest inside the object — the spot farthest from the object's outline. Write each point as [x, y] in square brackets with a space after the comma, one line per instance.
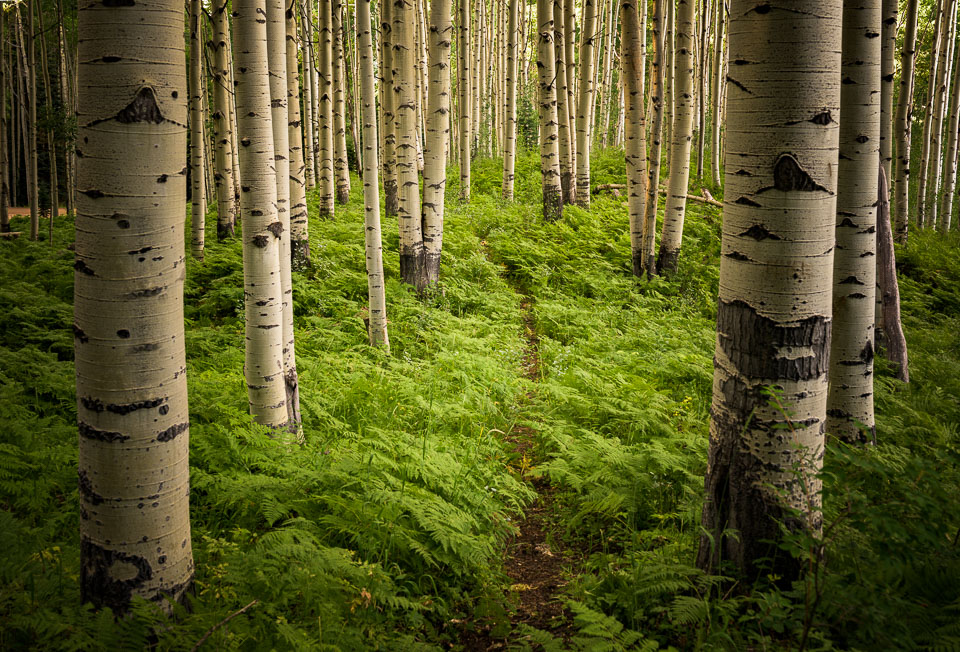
[549, 147]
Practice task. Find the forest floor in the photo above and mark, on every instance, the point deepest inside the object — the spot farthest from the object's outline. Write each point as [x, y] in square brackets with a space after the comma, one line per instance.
[524, 471]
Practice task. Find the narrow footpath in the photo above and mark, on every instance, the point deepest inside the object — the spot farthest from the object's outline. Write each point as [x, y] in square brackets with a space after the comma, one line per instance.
[535, 560]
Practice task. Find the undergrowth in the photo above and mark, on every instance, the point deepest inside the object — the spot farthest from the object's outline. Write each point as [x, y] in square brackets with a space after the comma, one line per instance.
[387, 528]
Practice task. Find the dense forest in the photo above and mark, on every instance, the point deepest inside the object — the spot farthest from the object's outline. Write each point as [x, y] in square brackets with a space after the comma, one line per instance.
[479, 324]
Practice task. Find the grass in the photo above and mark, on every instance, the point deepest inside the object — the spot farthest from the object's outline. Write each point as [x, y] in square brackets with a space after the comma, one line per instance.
[388, 525]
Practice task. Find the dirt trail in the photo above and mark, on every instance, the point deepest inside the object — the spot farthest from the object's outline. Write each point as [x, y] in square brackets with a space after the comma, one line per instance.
[534, 560]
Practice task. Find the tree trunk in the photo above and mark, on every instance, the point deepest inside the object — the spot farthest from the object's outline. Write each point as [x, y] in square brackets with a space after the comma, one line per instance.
[549, 132]
[341, 168]
[463, 84]
[299, 228]
[306, 48]
[280, 124]
[656, 136]
[569, 49]
[718, 83]
[928, 114]
[669, 68]
[904, 124]
[387, 66]
[371, 195]
[33, 185]
[950, 158]
[568, 183]
[198, 204]
[888, 57]
[676, 205]
[64, 70]
[850, 403]
[4, 158]
[438, 133]
[510, 111]
[896, 343]
[325, 104]
[51, 135]
[408, 183]
[702, 86]
[942, 100]
[262, 228]
[128, 309]
[635, 151]
[223, 157]
[585, 104]
[774, 316]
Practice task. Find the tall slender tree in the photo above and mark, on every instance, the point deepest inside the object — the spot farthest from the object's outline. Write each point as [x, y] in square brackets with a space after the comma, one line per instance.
[676, 205]
[567, 136]
[888, 58]
[299, 227]
[585, 103]
[510, 100]
[635, 127]
[928, 114]
[33, 184]
[325, 104]
[950, 154]
[128, 307]
[371, 194]
[222, 124]
[198, 202]
[850, 403]
[341, 168]
[941, 100]
[466, 102]
[774, 314]
[657, 83]
[904, 124]
[263, 288]
[718, 88]
[549, 147]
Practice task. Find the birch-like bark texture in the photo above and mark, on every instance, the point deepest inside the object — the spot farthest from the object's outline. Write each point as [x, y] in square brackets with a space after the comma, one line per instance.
[850, 403]
[904, 124]
[656, 138]
[341, 169]
[389, 160]
[223, 156]
[309, 128]
[635, 127]
[941, 98]
[325, 107]
[938, 30]
[371, 186]
[408, 181]
[888, 57]
[896, 343]
[549, 147]
[198, 204]
[299, 233]
[676, 204]
[702, 86]
[569, 51]
[438, 135]
[464, 89]
[774, 315]
[950, 154]
[669, 68]
[263, 289]
[718, 83]
[510, 109]
[585, 103]
[568, 172]
[280, 119]
[33, 183]
[51, 143]
[128, 305]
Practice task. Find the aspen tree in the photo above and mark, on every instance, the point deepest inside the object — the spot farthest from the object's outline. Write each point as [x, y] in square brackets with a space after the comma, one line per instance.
[702, 86]
[325, 161]
[51, 143]
[607, 72]
[371, 193]
[389, 158]
[717, 74]
[774, 315]
[4, 162]
[510, 110]
[33, 185]
[904, 124]
[341, 169]
[128, 305]
[941, 99]
[585, 103]
[64, 68]
[223, 157]
[568, 172]
[306, 47]
[888, 57]
[549, 147]
[657, 66]
[316, 53]
[669, 69]
[850, 403]
[280, 124]
[569, 56]
[299, 228]
[464, 88]
[950, 157]
[635, 151]
[938, 30]
[197, 196]
[676, 204]
[263, 289]
[408, 186]
[438, 135]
